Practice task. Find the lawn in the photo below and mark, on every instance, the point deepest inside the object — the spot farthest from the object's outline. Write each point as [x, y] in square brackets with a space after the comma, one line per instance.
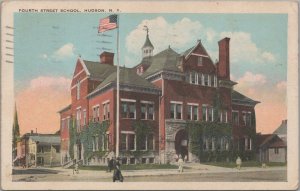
[132, 167]
[244, 164]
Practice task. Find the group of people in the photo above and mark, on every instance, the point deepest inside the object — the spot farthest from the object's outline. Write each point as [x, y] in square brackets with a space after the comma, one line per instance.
[114, 164]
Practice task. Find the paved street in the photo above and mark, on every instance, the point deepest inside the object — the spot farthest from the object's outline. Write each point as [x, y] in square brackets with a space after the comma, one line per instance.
[192, 173]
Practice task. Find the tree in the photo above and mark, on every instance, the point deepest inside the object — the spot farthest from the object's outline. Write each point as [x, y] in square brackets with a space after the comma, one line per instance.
[16, 130]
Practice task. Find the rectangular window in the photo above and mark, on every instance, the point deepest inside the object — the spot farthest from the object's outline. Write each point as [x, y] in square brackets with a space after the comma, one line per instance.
[151, 160]
[123, 142]
[78, 119]
[132, 160]
[176, 111]
[200, 61]
[276, 150]
[215, 81]
[210, 114]
[210, 80]
[128, 110]
[247, 118]
[206, 79]
[235, 117]
[106, 111]
[150, 142]
[193, 78]
[143, 145]
[147, 110]
[204, 113]
[192, 112]
[199, 78]
[78, 90]
[131, 141]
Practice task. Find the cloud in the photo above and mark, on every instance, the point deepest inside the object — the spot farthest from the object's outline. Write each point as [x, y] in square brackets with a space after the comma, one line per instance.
[39, 103]
[251, 79]
[243, 49]
[44, 56]
[180, 34]
[281, 85]
[66, 50]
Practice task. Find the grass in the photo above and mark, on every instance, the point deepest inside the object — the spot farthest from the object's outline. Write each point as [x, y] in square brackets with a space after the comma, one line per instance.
[132, 167]
[244, 164]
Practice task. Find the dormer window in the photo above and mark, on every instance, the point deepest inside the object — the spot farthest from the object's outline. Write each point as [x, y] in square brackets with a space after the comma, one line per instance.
[200, 61]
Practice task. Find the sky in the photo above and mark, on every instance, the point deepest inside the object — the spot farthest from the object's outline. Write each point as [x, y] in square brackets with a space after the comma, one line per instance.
[48, 45]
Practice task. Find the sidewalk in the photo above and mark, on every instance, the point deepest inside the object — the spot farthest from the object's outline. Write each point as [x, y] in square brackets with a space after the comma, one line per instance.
[190, 168]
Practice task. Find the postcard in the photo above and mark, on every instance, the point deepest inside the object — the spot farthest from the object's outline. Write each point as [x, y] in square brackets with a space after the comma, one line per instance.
[135, 95]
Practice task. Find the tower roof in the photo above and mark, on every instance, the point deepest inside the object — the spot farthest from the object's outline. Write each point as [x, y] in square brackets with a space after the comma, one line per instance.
[148, 42]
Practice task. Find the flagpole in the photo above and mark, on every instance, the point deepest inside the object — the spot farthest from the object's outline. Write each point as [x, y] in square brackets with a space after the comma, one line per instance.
[118, 90]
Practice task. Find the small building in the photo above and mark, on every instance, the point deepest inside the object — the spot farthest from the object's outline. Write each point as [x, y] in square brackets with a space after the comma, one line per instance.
[271, 148]
[35, 149]
[281, 131]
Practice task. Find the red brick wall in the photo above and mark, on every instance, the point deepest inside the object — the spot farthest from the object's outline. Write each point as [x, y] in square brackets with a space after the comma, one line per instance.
[224, 65]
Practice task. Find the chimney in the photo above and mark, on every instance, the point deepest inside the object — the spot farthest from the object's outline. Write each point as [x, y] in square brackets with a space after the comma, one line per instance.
[224, 65]
[107, 58]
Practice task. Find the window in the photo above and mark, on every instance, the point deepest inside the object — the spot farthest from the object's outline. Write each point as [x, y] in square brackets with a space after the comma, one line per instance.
[248, 143]
[207, 113]
[128, 141]
[147, 110]
[210, 114]
[215, 81]
[84, 117]
[223, 116]
[206, 79]
[151, 160]
[78, 119]
[192, 112]
[128, 110]
[106, 111]
[276, 150]
[96, 113]
[204, 113]
[132, 160]
[247, 118]
[200, 79]
[78, 90]
[143, 145]
[200, 61]
[150, 142]
[235, 117]
[144, 160]
[176, 111]
[193, 77]
[124, 160]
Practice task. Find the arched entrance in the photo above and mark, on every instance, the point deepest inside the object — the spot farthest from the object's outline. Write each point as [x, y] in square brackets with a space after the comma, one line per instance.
[181, 143]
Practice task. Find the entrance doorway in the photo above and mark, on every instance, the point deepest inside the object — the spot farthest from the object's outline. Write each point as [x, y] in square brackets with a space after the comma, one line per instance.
[181, 143]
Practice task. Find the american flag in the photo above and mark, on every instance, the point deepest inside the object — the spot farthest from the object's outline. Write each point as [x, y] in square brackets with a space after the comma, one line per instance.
[108, 23]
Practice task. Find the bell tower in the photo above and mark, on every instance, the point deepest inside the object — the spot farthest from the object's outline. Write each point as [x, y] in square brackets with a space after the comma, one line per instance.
[147, 49]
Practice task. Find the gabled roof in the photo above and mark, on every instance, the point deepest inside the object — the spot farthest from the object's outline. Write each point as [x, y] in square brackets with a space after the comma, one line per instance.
[164, 60]
[147, 43]
[97, 70]
[270, 140]
[189, 51]
[282, 129]
[238, 98]
[128, 77]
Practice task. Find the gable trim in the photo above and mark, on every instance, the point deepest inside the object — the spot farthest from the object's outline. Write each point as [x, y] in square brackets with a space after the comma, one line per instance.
[84, 66]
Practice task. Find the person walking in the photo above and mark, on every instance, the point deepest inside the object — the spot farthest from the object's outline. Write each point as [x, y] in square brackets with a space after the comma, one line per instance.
[238, 163]
[110, 165]
[117, 175]
[180, 164]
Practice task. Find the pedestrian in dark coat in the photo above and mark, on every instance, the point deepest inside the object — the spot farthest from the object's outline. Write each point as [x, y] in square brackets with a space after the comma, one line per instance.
[117, 171]
[110, 165]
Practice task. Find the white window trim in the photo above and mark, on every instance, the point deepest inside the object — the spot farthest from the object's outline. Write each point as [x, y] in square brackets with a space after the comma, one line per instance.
[128, 100]
[176, 102]
[126, 132]
[193, 104]
[79, 107]
[148, 102]
[105, 102]
[200, 55]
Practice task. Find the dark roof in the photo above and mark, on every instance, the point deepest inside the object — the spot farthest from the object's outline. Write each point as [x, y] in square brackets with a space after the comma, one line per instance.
[238, 98]
[128, 77]
[148, 42]
[278, 143]
[187, 51]
[282, 129]
[165, 60]
[98, 70]
[65, 108]
[146, 62]
[264, 138]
